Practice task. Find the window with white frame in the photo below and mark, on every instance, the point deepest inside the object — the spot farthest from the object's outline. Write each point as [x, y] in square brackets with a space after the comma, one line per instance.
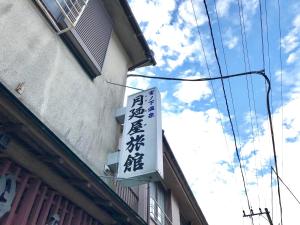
[63, 14]
[85, 26]
[157, 203]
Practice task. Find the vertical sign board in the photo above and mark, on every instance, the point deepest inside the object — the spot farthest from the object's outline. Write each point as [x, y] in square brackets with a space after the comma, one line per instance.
[141, 156]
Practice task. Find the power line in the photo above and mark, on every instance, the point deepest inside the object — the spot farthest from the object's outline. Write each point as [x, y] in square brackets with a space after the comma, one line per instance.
[226, 102]
[252, 90]
[245, 49]
[268, 49]
[122, 85]
[270, 75]
[246, 56]
[202, 46]
[242, 24]
[272, 202]
[226, 67]
[281, 96]
[241, 31]
[247, 62]
[286, 186]
[263, 65]
[229, 83]
[261, 73]
[209, 73]
[262, 35]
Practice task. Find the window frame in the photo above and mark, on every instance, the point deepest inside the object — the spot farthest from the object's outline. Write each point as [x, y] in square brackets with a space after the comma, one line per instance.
[156, 210]
[84, 51]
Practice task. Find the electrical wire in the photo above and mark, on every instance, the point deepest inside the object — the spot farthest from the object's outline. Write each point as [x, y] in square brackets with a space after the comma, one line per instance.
[125, 86]
[209, 73]
[265, 218]
[281, 96]
[262, 38]
[230, 89]
[241, 31]
[247, 63]
[286, 186]
[263, 66]
[267, 38]
[244, 40]
[226, 102]
[226, 67]
[272, 201]
[224, 77]
[268, 50]
[262, 35]
[244, 36]
[267, 80]
[242, 24]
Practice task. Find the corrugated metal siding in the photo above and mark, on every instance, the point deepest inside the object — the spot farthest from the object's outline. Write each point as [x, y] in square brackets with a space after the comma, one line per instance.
[129, 195]
[94, 28]
[35, 202]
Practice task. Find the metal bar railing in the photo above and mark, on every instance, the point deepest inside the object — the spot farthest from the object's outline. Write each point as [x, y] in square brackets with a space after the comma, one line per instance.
[71, 11]
[154, 208]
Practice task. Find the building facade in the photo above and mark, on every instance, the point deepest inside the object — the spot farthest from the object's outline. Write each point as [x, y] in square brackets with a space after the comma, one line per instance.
[62, 67]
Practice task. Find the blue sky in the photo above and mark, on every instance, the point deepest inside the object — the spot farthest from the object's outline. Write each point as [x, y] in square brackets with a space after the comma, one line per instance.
[194, 115]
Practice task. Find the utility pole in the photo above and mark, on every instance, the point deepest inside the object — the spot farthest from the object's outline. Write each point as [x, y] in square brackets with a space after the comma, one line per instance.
[258, 214]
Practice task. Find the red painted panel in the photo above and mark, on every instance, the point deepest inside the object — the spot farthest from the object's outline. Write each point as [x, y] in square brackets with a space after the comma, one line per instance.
[35, 202]
[70, 216]
[25, 205]
[20, 191]
[63, 212]
[35, 211]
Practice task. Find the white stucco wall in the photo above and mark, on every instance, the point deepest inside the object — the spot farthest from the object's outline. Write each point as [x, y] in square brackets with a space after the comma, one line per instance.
[56, 88]
[175, 211]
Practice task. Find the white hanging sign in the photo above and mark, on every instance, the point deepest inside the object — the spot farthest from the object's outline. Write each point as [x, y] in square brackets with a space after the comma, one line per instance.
[141, 157]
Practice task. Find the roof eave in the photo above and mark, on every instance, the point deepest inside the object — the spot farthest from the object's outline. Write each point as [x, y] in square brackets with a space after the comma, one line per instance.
[129, 33]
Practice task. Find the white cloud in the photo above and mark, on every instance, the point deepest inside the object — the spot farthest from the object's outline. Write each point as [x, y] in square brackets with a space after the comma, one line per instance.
[249, 9]
[287, 152]
[197, 138]
[293, 57]
[223, 7]
[199, 145]
[156, 24]
[186, 13]
[171, 37]
[230, 40]
[291, 40]
[291, 75]
[188, 91]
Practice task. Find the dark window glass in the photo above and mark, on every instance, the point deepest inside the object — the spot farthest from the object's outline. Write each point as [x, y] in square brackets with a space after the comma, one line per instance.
[54, 10]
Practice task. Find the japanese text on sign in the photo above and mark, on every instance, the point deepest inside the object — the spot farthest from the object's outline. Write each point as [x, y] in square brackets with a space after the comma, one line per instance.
[141, 145]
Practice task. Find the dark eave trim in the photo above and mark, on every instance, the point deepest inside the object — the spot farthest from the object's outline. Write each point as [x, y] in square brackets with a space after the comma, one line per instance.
[139, 34]
[71, 155]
